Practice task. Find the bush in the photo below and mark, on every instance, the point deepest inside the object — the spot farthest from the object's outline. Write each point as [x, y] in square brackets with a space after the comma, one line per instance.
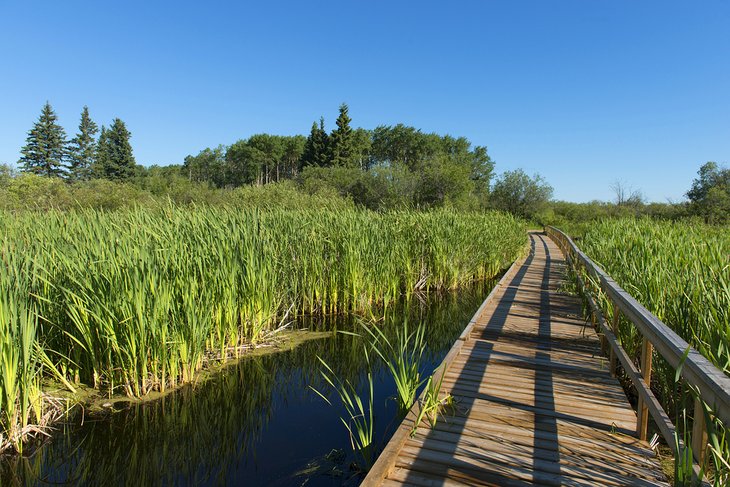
[31, 191]
[521, 195]
[286, 195]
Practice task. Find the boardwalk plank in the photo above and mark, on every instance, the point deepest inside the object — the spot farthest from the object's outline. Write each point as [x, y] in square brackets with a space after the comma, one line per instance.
[485, 468]
[543, 463]
[534, 401]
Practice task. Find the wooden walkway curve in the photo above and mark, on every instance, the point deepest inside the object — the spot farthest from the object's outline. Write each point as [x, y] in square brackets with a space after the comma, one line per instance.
[535, 402]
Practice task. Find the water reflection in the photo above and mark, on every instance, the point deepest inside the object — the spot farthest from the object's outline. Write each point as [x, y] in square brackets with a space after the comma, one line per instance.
[255, 423]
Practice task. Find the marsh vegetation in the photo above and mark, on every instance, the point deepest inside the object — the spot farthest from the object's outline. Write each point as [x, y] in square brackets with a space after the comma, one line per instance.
[681, 273]
[256, 421]
[136, 301]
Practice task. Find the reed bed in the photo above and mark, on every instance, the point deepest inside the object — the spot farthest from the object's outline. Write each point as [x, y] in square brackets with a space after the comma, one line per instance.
[681, 273]
[138, 300]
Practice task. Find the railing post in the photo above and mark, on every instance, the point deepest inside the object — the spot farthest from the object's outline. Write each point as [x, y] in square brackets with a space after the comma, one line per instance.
[699, 433]
[614, 327]
[642, 424]
[594, 323]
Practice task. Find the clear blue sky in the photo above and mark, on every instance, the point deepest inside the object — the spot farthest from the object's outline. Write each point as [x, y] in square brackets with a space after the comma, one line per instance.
[583, 92]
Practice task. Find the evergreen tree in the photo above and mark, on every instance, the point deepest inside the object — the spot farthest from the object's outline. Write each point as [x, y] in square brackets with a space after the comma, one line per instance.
[45, 146]
[114, 153]
[341, 141]
[316, 148]
[100, 158]
[82, 149]
[308, 155]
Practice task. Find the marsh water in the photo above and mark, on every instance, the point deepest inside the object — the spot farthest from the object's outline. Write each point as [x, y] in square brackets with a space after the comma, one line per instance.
[257, 422]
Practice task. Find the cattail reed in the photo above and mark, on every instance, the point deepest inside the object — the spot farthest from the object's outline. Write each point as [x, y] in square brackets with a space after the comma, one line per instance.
[138, 300]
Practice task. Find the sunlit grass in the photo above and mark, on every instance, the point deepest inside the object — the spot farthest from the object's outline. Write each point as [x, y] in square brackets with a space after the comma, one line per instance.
[681, 273]
[431, 403]
[402, 356]
[137, 300]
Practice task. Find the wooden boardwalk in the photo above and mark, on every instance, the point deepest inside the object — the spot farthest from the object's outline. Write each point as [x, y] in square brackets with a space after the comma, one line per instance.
[535, 402]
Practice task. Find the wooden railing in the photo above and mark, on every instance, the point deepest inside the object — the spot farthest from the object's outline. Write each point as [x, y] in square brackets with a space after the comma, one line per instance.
[713, 385]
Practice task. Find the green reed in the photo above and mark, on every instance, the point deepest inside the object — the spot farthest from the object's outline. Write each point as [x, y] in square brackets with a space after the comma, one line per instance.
[681, 273]
[20, 393]
[138, 300]
[360, 420]
[402, 356]
[431, 404]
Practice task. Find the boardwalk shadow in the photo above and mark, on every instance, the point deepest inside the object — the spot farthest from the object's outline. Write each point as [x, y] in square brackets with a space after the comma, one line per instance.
[459, 453]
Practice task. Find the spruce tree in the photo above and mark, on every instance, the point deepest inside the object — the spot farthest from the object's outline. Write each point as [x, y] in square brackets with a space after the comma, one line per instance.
[82, 149]
[341, 141]
[45, 147]
[322, 146]
[114, 153]
[100, 157]
[308, 156]
[316, 149]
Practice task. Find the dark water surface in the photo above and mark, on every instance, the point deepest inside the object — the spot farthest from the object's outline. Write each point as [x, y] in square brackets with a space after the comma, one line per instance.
[255, 423]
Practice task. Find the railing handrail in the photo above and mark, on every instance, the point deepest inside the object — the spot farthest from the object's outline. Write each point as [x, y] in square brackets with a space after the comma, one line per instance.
[712, 383]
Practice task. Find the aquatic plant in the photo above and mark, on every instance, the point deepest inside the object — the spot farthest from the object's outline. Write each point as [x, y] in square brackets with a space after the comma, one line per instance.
[361, 420]
[21, 406]
[139, 300]
[402, 357]
[220, 421]
[431, 403]
[679, 271]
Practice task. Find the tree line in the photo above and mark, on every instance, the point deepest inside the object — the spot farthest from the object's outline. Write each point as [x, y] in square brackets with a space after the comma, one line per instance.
[708, 199]
[388, 167]
[430, 168]
[47, 151]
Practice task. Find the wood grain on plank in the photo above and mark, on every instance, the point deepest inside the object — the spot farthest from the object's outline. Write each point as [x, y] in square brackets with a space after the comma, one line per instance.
[534, 401]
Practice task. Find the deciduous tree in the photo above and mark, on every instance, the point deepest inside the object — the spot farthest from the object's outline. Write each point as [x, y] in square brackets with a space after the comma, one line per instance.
[361, 147]
[293, 150]
[244, 164]
[626, 195]
[710, 193]
[519, 194]
[206, 167]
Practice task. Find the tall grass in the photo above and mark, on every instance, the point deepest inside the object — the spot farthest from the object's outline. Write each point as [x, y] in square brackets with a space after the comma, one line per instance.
[402, 356]
[681, 273]
[432, 404]
[360, 420]
[20, 393]
[137, 300]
